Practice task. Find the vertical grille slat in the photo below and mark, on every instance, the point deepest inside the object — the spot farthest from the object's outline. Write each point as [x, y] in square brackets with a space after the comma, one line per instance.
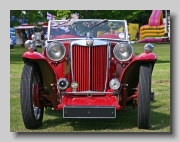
[99, 68]
[89, 61]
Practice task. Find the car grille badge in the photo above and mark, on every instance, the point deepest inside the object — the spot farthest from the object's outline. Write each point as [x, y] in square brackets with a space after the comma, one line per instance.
[89, 41]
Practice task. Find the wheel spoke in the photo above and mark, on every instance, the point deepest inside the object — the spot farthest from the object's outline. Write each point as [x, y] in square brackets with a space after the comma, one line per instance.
[37, 112]
[35, 96]
[31, 107]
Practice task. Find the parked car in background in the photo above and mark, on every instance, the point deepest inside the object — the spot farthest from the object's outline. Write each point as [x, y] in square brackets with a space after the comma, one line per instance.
[88, 69]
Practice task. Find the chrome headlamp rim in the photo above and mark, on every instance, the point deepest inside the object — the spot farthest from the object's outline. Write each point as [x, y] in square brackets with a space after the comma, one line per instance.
[117, 83]
[61, 45]
[64, 87]
[123, 60]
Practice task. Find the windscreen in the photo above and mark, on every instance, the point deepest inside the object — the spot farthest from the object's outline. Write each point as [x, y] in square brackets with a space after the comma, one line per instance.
[62, 29]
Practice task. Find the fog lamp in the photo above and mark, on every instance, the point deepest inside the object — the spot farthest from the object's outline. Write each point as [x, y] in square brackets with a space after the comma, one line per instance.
[114, 84]
[62, 83]
[74, 86]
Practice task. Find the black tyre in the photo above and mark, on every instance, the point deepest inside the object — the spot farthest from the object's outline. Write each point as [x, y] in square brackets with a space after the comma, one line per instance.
[31, 107]
[144, 95]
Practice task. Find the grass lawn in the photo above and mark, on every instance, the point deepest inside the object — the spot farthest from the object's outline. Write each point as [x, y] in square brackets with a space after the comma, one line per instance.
[126, 121]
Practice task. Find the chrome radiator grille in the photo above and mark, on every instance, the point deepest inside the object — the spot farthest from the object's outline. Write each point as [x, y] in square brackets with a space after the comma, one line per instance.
[89, 67]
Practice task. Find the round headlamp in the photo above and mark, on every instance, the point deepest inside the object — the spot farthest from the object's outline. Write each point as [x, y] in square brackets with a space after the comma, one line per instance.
[114, 84]
[123, 51]
[56, 51]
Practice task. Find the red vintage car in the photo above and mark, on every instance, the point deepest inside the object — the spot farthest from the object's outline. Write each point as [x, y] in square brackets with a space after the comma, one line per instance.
[87, 70]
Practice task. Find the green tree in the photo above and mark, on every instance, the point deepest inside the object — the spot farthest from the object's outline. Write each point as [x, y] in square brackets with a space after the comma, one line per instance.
[134, 16]
[137, 16]
[32, 16]
[63, 14]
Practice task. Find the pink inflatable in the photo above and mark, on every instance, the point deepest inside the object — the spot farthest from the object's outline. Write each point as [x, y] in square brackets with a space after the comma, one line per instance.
[153, 40]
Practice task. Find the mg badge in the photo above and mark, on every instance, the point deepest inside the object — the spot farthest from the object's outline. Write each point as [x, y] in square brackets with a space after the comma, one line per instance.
[89, 41]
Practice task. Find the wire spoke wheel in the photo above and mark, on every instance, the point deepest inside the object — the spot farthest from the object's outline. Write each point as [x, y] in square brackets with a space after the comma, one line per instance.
[31, 107]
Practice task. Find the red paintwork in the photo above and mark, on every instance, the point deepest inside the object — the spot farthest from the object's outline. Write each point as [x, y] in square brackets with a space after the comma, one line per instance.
[59, 69]
[84, 100]
[33, 55]
[36, 95]
[107, 100]
[142, 57]
[98, 75]
[111, 70]
[65, 36]
[73, 36]
[146, 57]
[109, 36]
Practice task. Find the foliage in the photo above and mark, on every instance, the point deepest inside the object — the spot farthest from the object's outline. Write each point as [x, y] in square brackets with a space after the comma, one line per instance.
[33, 16]
[63, 14]
[137, 16]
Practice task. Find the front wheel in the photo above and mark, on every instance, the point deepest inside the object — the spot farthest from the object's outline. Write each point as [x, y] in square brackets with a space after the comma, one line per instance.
[31, 105]
[144, 95]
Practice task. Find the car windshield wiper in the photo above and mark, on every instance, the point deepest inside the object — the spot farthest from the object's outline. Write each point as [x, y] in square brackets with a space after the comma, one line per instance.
[105, 20]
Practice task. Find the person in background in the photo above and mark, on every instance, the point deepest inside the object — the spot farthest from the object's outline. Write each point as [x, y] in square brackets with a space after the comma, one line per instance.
[137, 35]
[42, 40]
[19, 37]
[33, 36]
[33, 39]
[24, 36]
[29, 35]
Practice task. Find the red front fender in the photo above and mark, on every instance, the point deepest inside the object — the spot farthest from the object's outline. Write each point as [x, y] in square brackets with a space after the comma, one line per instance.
[130, 74]
[48, 74]
[33, 55]
[146, 57]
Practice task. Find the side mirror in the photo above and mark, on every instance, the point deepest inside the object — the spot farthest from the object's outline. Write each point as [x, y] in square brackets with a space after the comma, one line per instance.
[28, 43]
